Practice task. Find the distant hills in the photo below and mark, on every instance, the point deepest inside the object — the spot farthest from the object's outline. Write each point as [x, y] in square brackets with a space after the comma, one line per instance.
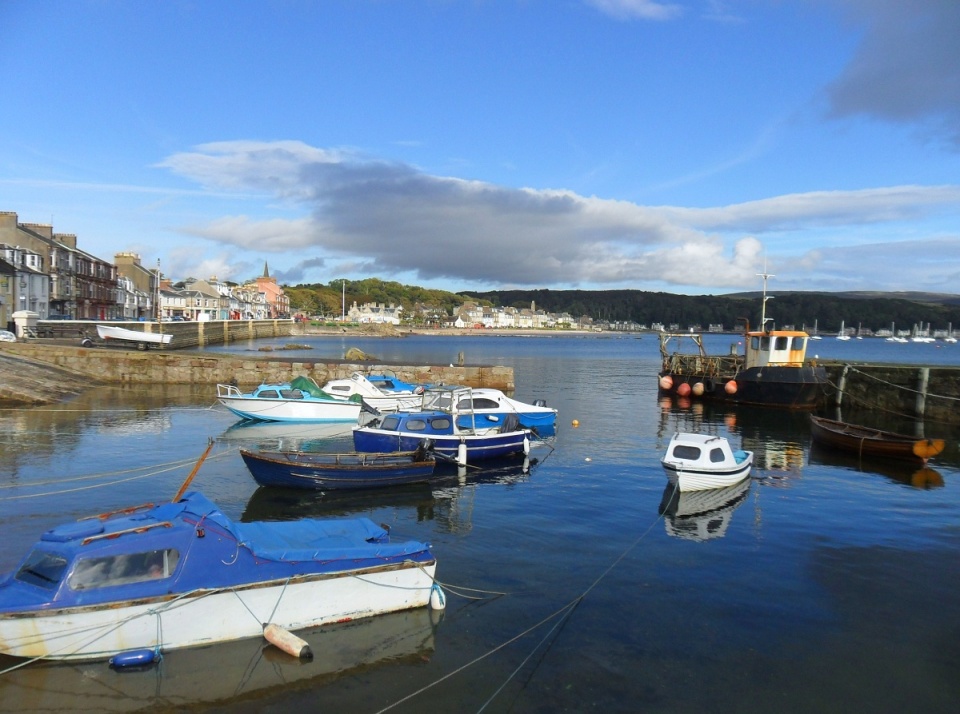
[867, 310]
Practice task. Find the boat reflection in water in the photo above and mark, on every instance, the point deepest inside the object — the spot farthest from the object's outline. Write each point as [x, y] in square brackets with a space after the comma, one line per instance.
[227, 674]
[701, 515]
[902, 472]
[284, 436]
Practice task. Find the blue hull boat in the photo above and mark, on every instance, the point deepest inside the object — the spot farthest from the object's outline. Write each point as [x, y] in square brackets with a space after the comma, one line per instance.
[326, 472]
[455, 435]
[182, 574]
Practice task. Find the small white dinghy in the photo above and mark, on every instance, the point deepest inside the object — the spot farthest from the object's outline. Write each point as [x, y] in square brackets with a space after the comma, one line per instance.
[696, 462]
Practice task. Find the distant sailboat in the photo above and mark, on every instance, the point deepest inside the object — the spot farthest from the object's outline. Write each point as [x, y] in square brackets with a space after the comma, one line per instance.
[842, 335]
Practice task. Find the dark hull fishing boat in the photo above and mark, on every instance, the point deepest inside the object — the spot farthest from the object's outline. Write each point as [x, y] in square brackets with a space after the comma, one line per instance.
[772, 371]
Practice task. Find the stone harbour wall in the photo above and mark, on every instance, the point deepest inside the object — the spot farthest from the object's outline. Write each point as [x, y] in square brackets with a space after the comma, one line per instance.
[155, 366]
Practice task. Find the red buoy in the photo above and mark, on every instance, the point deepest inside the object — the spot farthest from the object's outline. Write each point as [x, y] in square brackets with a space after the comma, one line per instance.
[730, 387]
[683, 389]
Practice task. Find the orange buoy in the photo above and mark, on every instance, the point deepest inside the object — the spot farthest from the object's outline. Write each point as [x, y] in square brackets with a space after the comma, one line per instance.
[575, 423]
[683, 389]
[698, 389]
[730, 387]
[666, 382]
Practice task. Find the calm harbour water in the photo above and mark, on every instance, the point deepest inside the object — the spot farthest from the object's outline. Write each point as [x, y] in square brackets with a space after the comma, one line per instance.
[822, 586]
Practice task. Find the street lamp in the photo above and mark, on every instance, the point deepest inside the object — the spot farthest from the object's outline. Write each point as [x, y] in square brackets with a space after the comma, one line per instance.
[343, 301]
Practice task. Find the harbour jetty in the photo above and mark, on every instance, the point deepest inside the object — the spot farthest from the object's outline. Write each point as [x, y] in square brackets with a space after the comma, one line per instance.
[915, 391]
[74, 367]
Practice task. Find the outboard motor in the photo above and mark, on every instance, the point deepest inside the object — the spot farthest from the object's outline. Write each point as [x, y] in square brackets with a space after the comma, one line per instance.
[539, 402]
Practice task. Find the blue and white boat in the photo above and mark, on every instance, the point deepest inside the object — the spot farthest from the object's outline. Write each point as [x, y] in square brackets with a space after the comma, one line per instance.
[300, 400]
[696, 462]
[461, 436]
[484, 402]
[382, 392]
[148, 579]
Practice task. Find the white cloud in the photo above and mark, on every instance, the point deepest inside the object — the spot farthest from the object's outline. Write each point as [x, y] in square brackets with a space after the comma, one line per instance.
[395, 219]
[637, 9]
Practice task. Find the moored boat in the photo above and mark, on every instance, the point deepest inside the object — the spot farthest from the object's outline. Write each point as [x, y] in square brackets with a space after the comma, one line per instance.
[299, 400]
[337, 471]
[454, 438]
[379, 391]
[695, 462]
[772, 371]
[159, 578]
[869, 442]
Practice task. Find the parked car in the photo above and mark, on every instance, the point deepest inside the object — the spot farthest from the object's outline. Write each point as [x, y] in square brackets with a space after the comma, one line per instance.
[7, 336]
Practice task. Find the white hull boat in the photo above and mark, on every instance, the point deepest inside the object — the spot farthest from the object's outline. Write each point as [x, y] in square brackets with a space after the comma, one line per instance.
[696, 462]
[142, 339]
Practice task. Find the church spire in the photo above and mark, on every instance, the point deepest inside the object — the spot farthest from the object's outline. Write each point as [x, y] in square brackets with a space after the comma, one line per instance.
[266, 270]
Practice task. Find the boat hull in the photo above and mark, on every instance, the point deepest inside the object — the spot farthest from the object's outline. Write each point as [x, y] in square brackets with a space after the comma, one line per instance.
[109, 332]
[874, 443]
[292, 410]
[691, 479]
[321, 472]
[802, 388]
[479, 447]
[204, 617]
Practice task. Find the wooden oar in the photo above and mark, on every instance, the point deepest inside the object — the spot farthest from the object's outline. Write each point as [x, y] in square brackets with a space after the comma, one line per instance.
[193, 473]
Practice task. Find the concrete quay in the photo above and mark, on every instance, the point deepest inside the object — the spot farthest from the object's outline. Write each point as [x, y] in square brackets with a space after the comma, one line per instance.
[74, 366]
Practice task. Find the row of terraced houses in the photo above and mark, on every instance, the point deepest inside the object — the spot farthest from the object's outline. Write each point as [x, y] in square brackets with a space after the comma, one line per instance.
[46, 273]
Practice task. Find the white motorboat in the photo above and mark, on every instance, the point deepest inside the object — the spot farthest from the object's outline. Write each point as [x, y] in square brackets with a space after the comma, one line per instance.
[695, 462]
[299, 400]
[142, 339]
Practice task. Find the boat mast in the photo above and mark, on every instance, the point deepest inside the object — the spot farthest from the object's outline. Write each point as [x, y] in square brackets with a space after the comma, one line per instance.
[763, 308]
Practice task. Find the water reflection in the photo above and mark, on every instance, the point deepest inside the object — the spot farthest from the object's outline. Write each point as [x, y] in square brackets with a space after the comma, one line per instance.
[701, 515]
[224, 674]
[924, 477]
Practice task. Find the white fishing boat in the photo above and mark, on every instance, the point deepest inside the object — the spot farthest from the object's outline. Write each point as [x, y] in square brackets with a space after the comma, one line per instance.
[142, 339]
[695, 462]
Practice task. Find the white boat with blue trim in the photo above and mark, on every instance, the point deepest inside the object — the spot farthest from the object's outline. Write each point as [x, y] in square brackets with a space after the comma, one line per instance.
[695, 462]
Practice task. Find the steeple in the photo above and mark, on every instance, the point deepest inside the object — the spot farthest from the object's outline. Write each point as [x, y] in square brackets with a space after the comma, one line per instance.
[266, 270]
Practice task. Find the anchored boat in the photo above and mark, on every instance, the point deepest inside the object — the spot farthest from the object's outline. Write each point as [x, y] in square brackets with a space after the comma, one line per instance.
[154, 578]
[772, 370]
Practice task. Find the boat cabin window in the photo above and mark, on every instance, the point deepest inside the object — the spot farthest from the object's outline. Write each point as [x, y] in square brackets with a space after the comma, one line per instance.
[781, 342]
[123, 569]
[440, 423]
[758, 342]
[268, 394]
[690, 453]
[717, 456]
[291, 394]
[416, 424]
[798, 343]
[477, 403]
[390, 423]
[42, 568]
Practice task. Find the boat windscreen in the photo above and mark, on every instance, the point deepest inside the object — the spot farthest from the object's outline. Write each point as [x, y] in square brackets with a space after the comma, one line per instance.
[43, 569]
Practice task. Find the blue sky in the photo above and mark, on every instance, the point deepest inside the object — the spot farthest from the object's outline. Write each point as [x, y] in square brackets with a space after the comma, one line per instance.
[678, 146]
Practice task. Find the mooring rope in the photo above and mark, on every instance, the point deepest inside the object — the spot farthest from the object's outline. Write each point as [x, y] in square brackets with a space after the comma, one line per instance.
[564, 609]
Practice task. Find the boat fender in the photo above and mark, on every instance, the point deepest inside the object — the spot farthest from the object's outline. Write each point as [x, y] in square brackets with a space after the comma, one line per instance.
[666, 382]
[135, 659]
[730, 387]
[526, 446]
[462, 454]
[287, 641]
[698, 389]
[438, 599]
[709, 385]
